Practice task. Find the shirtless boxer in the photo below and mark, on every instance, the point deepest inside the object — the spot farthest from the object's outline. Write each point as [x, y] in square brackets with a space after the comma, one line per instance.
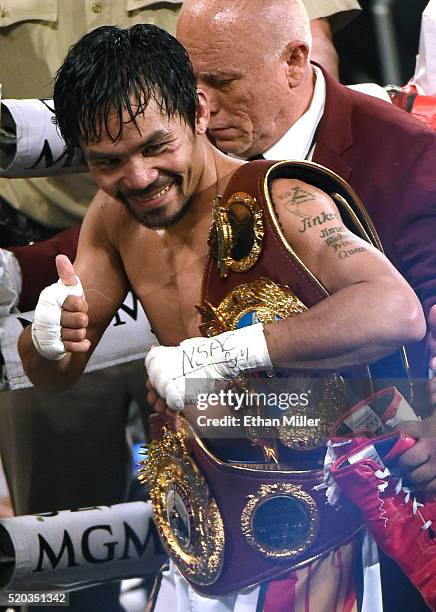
[128, 98]
[158, 175]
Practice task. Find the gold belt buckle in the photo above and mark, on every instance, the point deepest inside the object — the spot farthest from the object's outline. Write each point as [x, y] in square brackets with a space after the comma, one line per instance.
[280, 521]
[187, 515]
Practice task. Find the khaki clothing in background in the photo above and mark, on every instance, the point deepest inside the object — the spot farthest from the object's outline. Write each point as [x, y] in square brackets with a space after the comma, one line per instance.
[339, 12]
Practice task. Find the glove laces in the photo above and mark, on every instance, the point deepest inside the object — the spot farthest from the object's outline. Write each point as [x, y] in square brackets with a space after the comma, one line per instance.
[383, 475]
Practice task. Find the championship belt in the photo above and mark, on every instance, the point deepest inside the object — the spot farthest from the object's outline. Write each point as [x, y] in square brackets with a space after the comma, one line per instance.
[234, 521]
[230, 526]
[253, 274]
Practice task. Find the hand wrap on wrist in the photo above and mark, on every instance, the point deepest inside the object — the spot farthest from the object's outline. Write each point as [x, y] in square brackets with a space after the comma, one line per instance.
[222, 356]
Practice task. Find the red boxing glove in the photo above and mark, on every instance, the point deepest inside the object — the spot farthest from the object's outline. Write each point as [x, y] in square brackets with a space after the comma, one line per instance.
[421, 106]
[401, 526]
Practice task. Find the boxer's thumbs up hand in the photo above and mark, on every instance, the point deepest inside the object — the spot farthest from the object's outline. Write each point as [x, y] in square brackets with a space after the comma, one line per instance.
[74, 319]
[74, 300]
[60, 320]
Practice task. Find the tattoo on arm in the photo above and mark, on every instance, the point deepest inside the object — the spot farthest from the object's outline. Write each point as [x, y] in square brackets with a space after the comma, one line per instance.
[294, 198]
[337, 238]
[310, 222]
[297, 196]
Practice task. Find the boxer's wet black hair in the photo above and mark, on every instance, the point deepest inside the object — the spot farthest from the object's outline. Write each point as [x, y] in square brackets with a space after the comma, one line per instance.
[112, 70]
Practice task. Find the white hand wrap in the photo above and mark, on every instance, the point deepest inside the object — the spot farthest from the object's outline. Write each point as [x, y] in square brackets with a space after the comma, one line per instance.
[223, 356]
[46, 326]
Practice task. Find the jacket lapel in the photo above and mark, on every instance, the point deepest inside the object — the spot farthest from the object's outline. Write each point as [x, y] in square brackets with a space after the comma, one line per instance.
[334, 133]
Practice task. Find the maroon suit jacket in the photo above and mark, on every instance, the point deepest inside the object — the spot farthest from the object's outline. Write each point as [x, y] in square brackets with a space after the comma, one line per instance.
[389, 158]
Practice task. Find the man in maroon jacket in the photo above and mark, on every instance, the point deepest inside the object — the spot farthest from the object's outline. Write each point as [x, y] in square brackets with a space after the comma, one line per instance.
[267, 99]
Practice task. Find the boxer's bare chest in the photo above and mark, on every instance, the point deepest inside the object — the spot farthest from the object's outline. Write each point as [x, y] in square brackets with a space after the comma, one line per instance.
[166, 274]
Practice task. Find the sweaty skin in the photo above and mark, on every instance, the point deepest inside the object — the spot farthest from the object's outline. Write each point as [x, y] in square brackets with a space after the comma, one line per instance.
[165, 270]
[161, 168]
[163, 174]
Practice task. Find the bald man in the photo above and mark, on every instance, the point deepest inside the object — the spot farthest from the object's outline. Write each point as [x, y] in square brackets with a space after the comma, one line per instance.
[252, 58]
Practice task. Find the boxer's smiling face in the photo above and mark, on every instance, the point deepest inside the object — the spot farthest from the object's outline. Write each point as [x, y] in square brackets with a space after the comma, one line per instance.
[151, 167]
